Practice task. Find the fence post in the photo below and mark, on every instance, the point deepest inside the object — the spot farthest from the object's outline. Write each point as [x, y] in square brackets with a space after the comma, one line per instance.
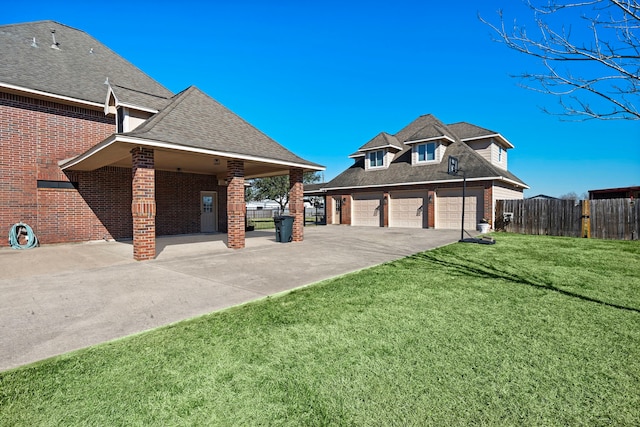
[586, 219]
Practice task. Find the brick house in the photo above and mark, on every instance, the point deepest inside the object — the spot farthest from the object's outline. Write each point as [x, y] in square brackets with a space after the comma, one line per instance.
[401, 180]
[93, 148]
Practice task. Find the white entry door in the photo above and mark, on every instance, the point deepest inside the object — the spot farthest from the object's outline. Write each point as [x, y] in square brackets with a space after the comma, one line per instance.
[208, 209]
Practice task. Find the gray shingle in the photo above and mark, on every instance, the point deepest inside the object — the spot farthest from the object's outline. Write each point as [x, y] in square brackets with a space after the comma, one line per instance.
[194, 119]
[432, 128]
[382, 139]
[139, 99]
[77, 69]
[466, 130]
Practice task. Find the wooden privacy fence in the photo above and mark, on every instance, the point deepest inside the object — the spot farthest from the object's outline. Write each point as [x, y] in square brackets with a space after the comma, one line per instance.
[601, 219]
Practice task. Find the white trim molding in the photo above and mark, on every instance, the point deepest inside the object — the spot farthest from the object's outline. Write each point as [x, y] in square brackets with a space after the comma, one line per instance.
[49, 95]
[68, 163]
[443, 181]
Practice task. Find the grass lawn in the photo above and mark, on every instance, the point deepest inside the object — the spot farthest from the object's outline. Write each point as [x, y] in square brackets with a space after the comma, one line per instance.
[530, 331]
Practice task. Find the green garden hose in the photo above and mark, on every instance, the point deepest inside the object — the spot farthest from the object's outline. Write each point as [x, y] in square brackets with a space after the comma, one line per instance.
[22, 229]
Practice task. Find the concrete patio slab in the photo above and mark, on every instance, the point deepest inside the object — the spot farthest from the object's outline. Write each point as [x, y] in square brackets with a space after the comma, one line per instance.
[59, 298]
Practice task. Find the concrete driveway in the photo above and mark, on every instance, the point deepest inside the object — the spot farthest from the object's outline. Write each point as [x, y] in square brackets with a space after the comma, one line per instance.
[59, 298]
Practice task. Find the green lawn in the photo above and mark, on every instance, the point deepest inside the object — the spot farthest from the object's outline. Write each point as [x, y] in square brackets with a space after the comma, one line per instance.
[267, 223]
[262, 223]
[530, 331]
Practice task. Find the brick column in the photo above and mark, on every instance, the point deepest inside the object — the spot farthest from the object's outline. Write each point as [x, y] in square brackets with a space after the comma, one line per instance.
[431, 209]
[143, 204]
[296, 203]
[489, 208]
[236, 207]
[386, 199]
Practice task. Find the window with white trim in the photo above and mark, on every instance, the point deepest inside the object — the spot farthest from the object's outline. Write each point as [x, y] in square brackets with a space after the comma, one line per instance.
[376, 159]
[499, 154]
[426, 152]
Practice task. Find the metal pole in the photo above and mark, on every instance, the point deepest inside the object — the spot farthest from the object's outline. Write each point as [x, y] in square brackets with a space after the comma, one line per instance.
[464, 195]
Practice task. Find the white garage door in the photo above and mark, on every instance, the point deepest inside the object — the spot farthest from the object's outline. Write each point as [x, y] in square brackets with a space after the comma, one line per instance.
[449, 208]
[408, 209]
[366, 210]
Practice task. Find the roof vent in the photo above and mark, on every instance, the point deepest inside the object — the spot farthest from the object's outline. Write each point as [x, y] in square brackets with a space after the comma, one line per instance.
[33, 43]
[55, 44]
[91, 50]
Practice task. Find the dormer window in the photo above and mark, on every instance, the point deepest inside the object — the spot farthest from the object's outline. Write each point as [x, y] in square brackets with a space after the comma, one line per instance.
[376, 159]
[426, 152]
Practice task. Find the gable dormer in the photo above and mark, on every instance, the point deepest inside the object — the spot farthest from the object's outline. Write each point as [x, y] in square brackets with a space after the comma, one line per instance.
[490, 145]
[379, 152]
[130, 106]
[429, 144]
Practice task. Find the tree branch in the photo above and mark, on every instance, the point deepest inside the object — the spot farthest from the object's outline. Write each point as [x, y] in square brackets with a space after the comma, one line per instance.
[609, 55]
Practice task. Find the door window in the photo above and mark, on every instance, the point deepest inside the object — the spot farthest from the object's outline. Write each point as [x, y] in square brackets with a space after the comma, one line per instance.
[207, 204]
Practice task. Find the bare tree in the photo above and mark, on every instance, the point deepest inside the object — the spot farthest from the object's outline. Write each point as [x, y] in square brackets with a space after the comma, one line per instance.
[597, 62]
[572, 195]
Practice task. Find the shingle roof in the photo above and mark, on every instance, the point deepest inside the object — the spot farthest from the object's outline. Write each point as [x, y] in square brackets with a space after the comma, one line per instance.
[194, 119]
[431, 128]
[466, 130]
[381, 140]
[139, 98]
[77, 69]
[401, 171]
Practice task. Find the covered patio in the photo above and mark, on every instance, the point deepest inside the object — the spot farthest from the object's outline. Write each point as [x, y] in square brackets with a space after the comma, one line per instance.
[196, 135]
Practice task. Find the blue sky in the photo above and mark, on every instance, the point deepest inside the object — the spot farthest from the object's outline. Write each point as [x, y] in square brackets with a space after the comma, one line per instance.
[323, 78]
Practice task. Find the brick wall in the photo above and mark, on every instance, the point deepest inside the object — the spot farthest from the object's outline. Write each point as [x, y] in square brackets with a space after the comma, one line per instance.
[178, 201]
[100, 208]
[34, 136]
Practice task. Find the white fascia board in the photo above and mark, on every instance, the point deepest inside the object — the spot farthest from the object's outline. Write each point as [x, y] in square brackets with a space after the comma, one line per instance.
[50, 95]
[356, 155]
[442, 181]
[493, 135]
[381, 147]
[159, 144]
[435, 138]
[136, 107]
[512, 182]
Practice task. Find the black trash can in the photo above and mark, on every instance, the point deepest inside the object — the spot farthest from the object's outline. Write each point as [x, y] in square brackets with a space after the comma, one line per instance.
[284, 228]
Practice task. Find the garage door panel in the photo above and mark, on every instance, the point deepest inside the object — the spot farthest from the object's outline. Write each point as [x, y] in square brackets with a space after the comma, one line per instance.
[449, 208]
[366, 210]
[407, 209]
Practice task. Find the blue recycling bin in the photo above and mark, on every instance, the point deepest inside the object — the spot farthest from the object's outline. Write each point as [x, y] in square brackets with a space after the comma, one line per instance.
[284, 228]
